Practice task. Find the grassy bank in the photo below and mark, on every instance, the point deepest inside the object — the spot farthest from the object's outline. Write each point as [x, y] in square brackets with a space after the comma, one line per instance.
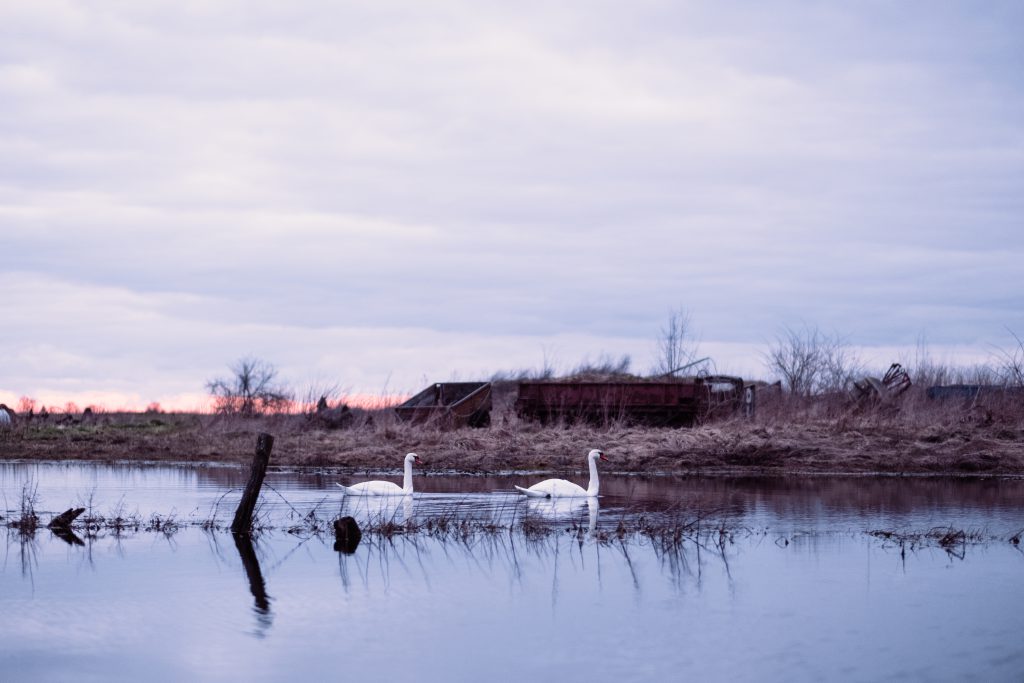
[782, 439]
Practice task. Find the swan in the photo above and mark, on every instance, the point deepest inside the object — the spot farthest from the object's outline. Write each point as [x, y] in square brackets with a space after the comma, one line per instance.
[386, 488]
[560, 488]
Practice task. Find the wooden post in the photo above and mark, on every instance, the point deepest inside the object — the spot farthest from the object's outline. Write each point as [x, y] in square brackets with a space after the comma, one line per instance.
[242, 523]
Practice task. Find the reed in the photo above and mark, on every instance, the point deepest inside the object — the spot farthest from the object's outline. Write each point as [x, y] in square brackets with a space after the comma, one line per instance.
[27, 520]
[954, 541]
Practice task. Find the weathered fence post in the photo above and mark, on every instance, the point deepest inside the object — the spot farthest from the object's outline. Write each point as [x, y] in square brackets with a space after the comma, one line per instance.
[242, 523]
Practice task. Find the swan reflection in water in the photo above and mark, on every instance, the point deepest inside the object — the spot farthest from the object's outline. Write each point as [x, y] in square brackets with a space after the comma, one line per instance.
[379, 509]
[565, 509]
[410, 554]
[378, 512]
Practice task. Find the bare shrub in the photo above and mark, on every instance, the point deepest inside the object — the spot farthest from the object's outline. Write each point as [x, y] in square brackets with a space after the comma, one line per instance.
[809, 361]
[251, 390]
[28, 519]
[604, 366]
[320, 396]
[545, 372]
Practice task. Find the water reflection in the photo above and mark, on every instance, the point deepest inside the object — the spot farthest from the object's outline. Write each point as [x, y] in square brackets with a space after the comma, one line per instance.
[553, 510]
[67, 535]
[794, 503]
[757, 602]
[257, 586]
[379, 509]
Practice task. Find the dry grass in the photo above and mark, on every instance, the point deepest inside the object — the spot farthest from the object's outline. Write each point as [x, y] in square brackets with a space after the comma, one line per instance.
[825, 435]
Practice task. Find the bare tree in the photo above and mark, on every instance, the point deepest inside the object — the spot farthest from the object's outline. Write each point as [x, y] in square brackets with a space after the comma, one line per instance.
[840, 365]
[250, 391]
[809, 361]
[675, 348]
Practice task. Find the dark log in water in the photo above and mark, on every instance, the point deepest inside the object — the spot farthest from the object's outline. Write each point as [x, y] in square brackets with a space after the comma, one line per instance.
[64, 519]
[346, 535]
[242, 524]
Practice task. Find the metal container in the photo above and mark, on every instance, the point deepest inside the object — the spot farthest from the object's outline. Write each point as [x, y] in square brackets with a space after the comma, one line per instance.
[450, 404]
[671, 404]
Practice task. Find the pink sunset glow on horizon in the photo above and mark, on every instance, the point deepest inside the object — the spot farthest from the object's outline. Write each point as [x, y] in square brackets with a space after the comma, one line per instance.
[113, 402]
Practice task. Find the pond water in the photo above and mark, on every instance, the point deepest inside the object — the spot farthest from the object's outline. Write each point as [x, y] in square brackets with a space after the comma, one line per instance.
[797, 590]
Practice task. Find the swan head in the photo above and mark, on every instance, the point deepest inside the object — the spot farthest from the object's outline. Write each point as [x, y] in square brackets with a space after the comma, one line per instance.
[597, 454]
[413, 458]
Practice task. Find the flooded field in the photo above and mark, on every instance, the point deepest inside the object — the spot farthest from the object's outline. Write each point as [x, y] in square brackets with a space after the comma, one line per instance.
[787, 579]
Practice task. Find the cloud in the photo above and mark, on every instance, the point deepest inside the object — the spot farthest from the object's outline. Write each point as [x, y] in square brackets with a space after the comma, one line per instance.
[504, 176]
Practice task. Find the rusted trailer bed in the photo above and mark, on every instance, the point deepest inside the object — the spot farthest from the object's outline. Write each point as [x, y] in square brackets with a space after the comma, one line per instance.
[669, 404]
[451, 404]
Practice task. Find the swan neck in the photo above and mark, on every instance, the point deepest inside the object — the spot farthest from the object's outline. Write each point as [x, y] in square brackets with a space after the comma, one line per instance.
[407, 479]
[594, 482]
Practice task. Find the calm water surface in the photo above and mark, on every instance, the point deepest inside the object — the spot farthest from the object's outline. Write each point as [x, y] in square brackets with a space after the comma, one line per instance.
[800, 593]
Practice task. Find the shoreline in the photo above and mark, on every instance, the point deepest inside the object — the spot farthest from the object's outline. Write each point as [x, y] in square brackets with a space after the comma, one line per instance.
[710, 473]
[736, 448]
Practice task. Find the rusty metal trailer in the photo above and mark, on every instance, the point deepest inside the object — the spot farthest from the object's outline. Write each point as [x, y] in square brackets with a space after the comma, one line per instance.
[450, 404]
[670, 404]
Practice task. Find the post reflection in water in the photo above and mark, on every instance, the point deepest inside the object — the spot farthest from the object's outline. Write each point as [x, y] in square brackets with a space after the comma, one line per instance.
[257, 586]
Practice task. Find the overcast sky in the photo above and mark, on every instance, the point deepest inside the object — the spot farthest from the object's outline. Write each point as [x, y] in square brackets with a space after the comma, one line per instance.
[384, 194]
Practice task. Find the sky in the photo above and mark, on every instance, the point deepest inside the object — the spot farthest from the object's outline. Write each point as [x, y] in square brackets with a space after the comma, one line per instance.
[380, 195]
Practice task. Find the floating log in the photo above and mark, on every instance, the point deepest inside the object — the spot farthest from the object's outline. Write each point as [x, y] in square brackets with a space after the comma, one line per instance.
[346, 535]
[64, 519]
[242, 523]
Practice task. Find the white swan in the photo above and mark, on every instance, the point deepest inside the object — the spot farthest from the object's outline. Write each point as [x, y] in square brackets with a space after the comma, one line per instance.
[386, 488]
[560, 488]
